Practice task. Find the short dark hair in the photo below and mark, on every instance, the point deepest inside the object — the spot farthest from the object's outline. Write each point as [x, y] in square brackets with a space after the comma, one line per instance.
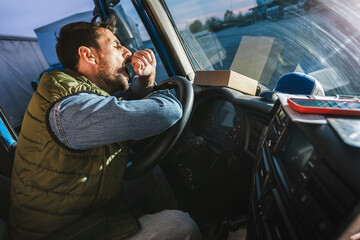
[77, 34]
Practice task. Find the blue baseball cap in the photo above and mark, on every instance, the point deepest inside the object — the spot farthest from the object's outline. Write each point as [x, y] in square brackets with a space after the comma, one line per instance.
[296, 83]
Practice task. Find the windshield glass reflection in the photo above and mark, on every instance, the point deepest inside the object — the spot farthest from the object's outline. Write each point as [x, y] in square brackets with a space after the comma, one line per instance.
[266, 39]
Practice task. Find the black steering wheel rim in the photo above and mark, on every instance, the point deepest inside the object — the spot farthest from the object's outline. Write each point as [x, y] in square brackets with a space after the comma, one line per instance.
[163, 142]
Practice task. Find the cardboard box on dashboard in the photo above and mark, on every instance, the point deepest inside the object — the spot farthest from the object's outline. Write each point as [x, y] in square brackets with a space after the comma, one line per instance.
[226, 78]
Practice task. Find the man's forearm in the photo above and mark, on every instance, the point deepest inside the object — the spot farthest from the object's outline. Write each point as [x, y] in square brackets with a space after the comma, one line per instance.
[88, 120]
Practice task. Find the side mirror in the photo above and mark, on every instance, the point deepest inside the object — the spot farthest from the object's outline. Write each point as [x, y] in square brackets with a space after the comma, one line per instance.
[124, 33]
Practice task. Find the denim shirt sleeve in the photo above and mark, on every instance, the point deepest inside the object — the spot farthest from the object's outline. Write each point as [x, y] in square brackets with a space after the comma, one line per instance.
[87, 120]
[135, 91]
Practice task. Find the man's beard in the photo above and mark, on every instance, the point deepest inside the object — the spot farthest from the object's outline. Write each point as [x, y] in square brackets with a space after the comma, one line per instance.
[112, 82]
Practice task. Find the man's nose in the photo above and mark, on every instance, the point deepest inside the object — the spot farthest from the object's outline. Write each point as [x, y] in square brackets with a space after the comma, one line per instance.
[126, 53]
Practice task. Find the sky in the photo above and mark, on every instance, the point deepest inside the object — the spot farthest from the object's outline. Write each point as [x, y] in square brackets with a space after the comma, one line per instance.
[186, 11]
[21, 17]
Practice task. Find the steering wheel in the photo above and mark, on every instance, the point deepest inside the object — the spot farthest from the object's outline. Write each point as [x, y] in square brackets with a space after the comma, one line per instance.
[148, 152]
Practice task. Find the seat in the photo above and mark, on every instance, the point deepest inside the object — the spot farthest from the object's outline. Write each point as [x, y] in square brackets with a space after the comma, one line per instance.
[90, 227]
[8, 142]
[4, 203]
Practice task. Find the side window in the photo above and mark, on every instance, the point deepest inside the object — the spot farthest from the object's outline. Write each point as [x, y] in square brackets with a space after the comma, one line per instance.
[138, 38]
[67, 13]
[27, 47]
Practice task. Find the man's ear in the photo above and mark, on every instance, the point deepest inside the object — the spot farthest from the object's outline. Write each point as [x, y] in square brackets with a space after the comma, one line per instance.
[86, 55]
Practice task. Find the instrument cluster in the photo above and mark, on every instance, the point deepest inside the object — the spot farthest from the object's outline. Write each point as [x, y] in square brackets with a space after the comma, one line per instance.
[218, 119]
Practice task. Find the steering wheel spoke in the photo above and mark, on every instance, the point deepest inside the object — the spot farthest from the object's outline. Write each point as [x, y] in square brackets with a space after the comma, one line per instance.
[157, 146]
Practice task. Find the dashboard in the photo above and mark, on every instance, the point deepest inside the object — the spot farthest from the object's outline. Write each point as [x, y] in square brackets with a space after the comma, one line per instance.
[241, 156]
[305, 182]
[210, 166]
[218, 120]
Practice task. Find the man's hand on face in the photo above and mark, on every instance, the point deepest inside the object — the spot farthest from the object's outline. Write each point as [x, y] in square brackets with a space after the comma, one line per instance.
[144, 64]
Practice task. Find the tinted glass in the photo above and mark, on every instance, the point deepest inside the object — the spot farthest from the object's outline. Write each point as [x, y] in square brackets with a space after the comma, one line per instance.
[266, 39]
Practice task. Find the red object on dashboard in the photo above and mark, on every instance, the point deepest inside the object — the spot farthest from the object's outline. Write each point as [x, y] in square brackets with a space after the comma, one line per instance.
[328, 106]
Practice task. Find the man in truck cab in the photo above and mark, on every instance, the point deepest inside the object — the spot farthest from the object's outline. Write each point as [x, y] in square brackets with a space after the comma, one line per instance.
[73, 147]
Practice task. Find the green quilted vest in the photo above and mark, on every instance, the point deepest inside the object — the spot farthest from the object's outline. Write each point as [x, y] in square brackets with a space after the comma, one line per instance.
[54, 186]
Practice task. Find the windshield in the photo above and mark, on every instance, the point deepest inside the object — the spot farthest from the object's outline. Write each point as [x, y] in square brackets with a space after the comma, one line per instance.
[265, 39]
